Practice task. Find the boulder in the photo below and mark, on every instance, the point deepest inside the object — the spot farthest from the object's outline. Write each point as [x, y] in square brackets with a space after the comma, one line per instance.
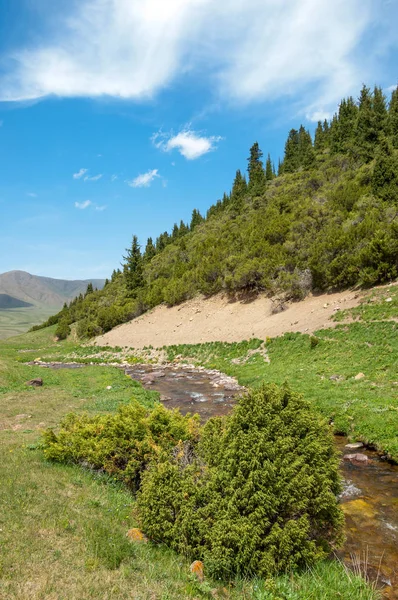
[197, 569]
[136, 535]
[358, 457]
[354, 446]
[37, 382]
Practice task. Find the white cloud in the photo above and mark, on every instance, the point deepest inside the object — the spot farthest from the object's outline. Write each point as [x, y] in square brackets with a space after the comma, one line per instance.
[391, 88]
[114, 177]
[79, 174]
[93, 177]
[189, 143]
[145, 179]
[249, 49]
[83, 205]
[31, 194]
[100, 208]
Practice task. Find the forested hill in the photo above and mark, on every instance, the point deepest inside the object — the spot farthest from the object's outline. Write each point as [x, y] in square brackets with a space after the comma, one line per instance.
[327, 217]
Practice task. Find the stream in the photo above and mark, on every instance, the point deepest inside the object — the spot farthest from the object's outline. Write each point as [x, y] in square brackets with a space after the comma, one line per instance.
[370, 495]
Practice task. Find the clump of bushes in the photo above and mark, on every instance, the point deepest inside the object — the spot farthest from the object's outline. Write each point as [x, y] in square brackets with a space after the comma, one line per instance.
[259, 494]
[123, 444]
[253, 493]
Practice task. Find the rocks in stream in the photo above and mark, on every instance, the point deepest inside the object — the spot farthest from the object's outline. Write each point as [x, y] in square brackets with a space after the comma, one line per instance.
[356, 458]
[354, 446]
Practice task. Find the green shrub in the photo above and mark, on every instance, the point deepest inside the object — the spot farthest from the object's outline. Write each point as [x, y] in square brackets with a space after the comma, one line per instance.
[257, 496]
[63, 330]
[122, 444]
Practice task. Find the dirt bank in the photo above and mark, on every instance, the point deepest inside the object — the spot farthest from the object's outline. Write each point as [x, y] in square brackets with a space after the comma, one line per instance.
[220, 319]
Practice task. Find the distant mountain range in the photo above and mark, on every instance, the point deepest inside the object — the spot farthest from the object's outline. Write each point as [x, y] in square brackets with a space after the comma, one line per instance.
[21, 289]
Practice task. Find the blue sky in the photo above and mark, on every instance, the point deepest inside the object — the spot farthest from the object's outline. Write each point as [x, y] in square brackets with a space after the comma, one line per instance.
[121, 116]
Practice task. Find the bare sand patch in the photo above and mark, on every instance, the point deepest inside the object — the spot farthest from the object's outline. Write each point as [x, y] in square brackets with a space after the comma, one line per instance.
[219, 319]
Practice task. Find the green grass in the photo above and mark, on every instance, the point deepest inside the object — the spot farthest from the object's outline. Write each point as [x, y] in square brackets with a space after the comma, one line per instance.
[62, 529]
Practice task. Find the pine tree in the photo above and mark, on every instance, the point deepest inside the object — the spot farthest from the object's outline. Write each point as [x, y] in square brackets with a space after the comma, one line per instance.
[319, 141]
[269, 169]
[196, 219]
[305, 149]
[106, 282]
[162, 241]
[366, 136]
[385, 173]
[238, 192]
[344, 126]
[184, 229]
[291, 161]
[256, 172]
[381, 122]
[132, 268]
[150, 250]
[175, 232]
[89, 289]
[393, 117]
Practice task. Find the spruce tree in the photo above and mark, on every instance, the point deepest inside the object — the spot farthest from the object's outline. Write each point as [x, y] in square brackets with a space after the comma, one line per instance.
[196, 219]
[393, 117]
[305, 150]
[366, 136]
[381, 122]
[175, 232]
[385, 173]
[132, 268]
[319, 141]
[150, 250]
[238, 192]
[269, 169]
[256, 172]
[184, 229]
[291, 161]
[89, 289]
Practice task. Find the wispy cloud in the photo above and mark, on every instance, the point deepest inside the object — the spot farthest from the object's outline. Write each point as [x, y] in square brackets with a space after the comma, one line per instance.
[190, 144]
[100, 208]
[93, 177]
[251, 49]
[79, 174]
[114, 177]
[32, 194]
[144, 179]
[83, 205]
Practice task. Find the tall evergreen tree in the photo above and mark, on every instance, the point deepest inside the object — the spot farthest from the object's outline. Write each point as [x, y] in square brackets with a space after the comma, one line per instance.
[175, 233]
[385, 173]
[319, 141]
[162, 241]
[89, 289]
[366, 135]
[291, 161]
[132, 268]
[184, 229]
[305, 149]
[393, 117]
[149, 251]
[381, 122]
[343, 129]
[269, 169]
[238, 192]
[256, 172]
[196, 219]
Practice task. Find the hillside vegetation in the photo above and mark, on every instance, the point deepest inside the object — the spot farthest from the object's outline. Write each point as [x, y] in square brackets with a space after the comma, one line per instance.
[326, 219]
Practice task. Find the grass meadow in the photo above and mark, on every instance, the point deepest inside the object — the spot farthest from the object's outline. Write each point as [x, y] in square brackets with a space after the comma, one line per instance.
[63, 528]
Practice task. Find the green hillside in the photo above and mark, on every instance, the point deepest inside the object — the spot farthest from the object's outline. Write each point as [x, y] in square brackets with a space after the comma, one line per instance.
[326, 218]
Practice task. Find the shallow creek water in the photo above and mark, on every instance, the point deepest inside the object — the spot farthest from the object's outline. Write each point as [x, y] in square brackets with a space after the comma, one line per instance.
[370, 496]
